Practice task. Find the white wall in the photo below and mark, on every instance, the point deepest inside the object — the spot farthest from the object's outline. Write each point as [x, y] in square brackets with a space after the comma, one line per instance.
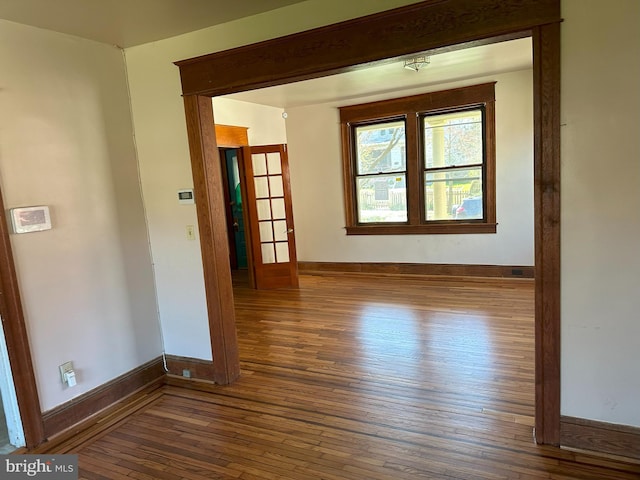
[266, 125]
[66, 142]
[163, 152]
[600, 210]
[315, 157]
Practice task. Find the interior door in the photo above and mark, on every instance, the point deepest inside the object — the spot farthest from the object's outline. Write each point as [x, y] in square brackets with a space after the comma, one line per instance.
[271, 217]
[235, 208]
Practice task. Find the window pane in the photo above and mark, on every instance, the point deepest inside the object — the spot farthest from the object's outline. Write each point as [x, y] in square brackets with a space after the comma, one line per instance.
[264, 209]
[268, 253]
[380, 148]
[454, 194]
[275, 186]
[259, 163]
[266, 231]
[278, 208]
[280, 230]
[382, 198]
[453, 139]
[274, 164]
[262, 187]
[282, 252]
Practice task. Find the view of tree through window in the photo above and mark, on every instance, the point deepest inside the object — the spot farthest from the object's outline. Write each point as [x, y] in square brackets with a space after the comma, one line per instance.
[381, 172]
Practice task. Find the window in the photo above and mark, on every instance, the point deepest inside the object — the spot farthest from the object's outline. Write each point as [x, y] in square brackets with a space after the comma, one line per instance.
[421, 164]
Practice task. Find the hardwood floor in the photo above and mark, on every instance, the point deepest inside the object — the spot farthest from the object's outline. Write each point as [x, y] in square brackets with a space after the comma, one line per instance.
[353, 378]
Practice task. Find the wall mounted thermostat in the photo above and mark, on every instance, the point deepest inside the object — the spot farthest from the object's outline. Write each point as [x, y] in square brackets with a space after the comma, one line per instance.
[30, 219]
[185, 196]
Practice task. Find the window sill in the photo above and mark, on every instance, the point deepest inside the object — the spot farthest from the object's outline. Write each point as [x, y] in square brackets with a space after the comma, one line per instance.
[434, 229]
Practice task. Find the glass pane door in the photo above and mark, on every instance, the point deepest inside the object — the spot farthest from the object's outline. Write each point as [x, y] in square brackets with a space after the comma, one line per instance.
[272, 220]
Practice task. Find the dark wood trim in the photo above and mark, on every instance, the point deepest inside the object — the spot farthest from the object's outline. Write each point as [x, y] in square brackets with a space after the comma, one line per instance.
[208, 190]
[248, 231]
[414, 180]
[410, 108]
[601, 437]
[377, 268]
[17, 340]
[348, 176]
[422, 26]
[546, 93]
[86, 430]
[198, 368]
[434, 228]
[190, 384]
[489, 187]
[82, 407]
[425, 102]
[344, 46]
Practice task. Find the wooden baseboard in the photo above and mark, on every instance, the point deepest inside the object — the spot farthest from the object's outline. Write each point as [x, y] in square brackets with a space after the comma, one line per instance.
[80, 408]
[504, 271]
[198, 369]
[68, 440]
[600, 437]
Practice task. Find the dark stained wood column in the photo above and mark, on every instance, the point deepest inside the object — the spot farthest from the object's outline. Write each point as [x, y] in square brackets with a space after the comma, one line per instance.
[208, 191]
[546, 108]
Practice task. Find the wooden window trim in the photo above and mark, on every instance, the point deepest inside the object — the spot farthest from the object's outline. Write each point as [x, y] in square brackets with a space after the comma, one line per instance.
[412, 108]
[434, 229]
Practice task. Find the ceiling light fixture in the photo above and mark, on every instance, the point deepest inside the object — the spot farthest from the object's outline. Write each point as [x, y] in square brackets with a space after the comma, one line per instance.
[416, 63]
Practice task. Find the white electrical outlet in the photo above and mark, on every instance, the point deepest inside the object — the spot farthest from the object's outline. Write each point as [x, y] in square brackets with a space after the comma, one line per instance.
[67, 374]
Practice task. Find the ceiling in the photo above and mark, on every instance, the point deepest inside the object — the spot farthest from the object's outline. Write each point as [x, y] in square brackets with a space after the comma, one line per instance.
[127, 23]
[382, 81]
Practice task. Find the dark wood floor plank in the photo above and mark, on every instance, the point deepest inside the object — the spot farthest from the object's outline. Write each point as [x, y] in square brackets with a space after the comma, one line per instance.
[352, 378]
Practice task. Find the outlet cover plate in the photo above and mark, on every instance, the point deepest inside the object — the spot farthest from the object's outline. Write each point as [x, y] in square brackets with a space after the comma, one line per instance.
[64, 368]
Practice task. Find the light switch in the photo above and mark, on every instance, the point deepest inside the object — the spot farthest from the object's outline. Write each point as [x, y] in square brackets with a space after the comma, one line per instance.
[191, 232]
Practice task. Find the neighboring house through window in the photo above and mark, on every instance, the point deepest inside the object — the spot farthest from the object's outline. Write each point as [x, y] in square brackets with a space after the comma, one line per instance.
[421, 164]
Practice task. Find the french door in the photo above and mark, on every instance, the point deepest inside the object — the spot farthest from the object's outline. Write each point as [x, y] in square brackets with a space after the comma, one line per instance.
[270, 212]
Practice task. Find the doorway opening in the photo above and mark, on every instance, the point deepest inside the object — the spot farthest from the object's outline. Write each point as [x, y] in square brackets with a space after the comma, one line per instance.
[377, 38]
[232, 189]
[515, 95]
[11, 432]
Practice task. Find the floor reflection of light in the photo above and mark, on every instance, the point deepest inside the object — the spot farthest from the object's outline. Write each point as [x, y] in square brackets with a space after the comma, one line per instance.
[450, 353]
[388, 332]
[454, 349]
[462, 347]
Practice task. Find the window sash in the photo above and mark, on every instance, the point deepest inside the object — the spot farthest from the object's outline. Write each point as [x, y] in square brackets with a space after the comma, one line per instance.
[381, 137]
[464, 141]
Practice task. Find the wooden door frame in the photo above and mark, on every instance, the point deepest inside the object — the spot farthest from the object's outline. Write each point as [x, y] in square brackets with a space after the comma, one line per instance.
[425, 26]
[17, 339]
[236, 138]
